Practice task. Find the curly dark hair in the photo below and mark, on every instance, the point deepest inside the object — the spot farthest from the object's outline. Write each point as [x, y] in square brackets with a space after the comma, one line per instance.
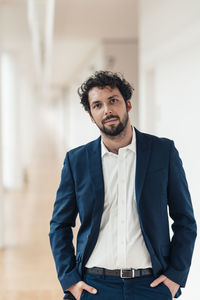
[101, 79]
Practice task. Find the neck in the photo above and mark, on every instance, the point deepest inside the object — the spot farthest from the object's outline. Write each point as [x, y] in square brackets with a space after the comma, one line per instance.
[113, 143]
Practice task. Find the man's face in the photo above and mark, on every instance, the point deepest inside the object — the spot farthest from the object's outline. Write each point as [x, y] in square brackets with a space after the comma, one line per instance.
[109, 110]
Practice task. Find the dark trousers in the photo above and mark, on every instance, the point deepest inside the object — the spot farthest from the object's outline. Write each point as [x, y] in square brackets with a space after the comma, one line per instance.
[116, 288]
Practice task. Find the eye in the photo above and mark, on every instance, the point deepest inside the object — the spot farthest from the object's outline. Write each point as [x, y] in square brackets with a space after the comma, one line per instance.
[97, 105]
[113, 100]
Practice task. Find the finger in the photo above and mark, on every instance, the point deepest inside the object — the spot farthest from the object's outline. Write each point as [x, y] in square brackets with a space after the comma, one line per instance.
[89, 288]
[158, 280]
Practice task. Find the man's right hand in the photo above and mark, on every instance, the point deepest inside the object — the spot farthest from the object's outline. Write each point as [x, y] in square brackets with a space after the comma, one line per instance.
[77, 289]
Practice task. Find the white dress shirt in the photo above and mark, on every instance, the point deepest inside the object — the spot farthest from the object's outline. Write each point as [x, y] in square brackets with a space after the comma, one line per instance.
[120, 242]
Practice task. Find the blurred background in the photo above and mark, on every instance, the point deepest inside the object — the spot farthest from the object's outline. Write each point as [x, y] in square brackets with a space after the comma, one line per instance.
[47, 49]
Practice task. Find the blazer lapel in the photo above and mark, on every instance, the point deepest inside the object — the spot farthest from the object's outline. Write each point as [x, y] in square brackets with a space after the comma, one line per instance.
[96, 173]
[143, 151]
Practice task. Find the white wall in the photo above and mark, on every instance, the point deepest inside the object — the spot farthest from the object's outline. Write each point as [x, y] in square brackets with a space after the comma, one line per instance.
[169, 89]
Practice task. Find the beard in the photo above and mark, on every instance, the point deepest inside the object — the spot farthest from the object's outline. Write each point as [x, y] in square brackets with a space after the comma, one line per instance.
[114, 130]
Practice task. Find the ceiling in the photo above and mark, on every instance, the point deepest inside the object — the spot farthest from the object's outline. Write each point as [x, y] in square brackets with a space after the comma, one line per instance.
[78, 26]
[96, 19]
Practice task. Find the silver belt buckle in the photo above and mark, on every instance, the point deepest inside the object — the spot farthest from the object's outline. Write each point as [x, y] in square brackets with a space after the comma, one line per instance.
[127, 273]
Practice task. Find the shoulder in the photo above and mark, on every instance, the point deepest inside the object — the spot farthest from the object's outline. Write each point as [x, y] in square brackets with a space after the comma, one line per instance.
[81, 150]
[153, 138]
[157, 142]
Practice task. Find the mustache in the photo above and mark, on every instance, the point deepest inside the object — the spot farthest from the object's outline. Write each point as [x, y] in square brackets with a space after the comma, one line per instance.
[109, 117]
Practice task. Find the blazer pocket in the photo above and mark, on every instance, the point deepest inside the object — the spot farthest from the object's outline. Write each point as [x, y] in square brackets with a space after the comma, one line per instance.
[156, 171]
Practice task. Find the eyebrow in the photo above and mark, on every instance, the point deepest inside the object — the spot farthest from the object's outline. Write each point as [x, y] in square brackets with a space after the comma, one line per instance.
[94, 102]
[113, 96]
[97, 101]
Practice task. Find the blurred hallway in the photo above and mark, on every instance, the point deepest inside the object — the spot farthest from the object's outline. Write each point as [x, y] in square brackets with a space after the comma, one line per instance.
[27, 269]
[47, 49]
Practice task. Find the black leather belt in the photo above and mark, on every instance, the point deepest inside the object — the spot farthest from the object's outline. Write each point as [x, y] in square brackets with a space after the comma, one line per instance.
[123, 273]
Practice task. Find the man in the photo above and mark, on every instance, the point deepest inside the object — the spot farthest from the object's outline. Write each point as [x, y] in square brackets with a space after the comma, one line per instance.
[121, 185]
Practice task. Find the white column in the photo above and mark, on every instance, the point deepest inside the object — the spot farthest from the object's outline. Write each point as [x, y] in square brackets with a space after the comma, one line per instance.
[1, 190]
[11, 142]
[121, 55]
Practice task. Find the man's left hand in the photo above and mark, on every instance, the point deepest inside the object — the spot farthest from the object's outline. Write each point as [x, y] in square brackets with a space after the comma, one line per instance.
[172, 286]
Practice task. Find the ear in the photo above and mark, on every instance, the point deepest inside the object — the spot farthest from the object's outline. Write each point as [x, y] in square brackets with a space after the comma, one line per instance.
[129, 105]
[91, 118]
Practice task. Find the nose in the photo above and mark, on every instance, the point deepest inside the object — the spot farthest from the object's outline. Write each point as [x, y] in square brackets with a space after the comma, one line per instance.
[107, 109]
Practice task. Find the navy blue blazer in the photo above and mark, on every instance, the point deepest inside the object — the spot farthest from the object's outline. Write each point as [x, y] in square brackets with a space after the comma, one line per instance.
[160, 183]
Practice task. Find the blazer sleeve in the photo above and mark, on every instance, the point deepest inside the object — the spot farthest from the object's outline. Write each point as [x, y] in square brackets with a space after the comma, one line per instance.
[184, 225]
[61, 236]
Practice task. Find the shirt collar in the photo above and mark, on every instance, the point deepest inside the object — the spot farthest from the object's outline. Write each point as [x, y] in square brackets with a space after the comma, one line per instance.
[131, 146]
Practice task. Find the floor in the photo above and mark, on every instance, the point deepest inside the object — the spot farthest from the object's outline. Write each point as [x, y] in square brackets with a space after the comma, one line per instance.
[27, 269]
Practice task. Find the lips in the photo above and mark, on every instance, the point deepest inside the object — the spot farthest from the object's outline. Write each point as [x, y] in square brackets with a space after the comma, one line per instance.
[111, 120]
